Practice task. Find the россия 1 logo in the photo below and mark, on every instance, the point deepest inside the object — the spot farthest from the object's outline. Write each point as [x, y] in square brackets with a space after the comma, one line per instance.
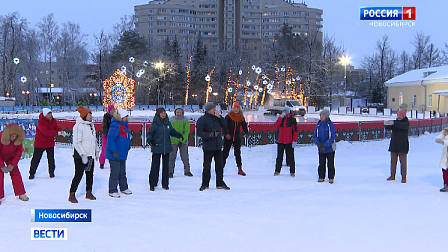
[387, 13]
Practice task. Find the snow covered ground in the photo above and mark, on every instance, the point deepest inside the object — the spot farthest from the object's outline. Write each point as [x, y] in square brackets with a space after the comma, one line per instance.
[361, 211]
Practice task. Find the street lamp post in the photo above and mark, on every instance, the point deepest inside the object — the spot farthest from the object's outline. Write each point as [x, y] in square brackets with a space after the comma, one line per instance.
[345, 60]
[159, 66]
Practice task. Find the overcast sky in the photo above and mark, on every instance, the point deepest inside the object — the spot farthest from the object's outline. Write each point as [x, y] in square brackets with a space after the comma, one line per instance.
[341, 20]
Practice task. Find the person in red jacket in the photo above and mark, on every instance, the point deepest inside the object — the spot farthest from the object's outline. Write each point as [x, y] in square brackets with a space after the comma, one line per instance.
[47, 128]
[287, 140]
[11, 149]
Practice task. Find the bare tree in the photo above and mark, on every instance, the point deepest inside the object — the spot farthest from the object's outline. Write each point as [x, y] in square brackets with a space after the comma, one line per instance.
[432, 55]
[49, 31]
[420, 43]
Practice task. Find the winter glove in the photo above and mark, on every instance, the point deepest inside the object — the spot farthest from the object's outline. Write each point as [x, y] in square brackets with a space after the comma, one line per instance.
[228, 137]
[182, 138]
[388, 123]
[294, 144]
[115, 154]
[84, 159]
[440, 141]
[283, 115]
[214, 134]
[89, 164]
[152, 143]
[322, 147]
[7, 169]
[62, 133]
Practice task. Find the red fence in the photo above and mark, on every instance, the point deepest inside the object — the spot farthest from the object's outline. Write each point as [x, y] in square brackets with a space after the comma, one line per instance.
[264, 133]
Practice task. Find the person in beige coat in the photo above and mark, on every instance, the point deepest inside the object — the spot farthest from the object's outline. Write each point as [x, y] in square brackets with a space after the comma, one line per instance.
[443, 139]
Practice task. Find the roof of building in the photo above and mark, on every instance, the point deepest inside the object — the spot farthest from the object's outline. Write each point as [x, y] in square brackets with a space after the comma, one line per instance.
[433, 75]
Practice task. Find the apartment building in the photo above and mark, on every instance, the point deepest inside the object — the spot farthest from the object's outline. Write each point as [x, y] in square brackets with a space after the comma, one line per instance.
[250, 25]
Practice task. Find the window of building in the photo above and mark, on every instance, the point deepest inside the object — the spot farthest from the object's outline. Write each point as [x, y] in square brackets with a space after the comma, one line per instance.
[161, 30]
[430, 100]
[172, 31]
[401, 98]
[318, 15]
[286, 20]
[172, 24]
[161, 23]
[307, 14]
[161, 18]
[150, 31]
[297, 13]
[150, 18]
[307, 21]
[207, 6]
[161, 10]
[150, 24]
[173, 11]
[414, 100]
[150, 11]
[297, 19]
[285, 13]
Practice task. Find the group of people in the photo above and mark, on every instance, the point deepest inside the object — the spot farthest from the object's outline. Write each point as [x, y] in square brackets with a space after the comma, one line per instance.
[168, 135]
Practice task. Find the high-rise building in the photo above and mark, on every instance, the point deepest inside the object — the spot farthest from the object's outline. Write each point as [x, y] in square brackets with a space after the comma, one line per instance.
[249, 25]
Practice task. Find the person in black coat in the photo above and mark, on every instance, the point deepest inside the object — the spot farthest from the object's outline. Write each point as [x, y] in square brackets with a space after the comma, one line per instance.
[209, 129]
[159, 138]
[235, 121]
[399, 144]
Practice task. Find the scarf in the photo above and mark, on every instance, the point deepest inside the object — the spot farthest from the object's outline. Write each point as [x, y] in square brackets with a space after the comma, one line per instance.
[236, 117]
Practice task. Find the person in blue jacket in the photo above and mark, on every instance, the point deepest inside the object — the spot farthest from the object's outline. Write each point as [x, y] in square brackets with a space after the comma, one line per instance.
[325, 141]
[117, 148]
[159, 138]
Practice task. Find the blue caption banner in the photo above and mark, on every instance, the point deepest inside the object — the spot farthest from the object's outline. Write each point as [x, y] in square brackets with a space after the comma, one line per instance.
[381, 13]
[61, 215]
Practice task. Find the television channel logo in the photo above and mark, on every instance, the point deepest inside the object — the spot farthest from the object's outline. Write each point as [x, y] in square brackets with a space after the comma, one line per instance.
[387, 13]
[49, 234]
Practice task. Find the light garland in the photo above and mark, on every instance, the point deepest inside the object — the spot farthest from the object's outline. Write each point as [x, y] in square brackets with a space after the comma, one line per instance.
[119, 91]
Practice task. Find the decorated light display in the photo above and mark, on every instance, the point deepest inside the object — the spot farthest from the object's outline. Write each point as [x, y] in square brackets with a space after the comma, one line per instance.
[248, 83]
[210, 89]
[240, 72]
[131, 59]
[258, 70]
[23, 79]
[16, 60]
[207, 78]
[145, 63]
[230, 90]
[188, 79]
[253, 67]
[119, 90]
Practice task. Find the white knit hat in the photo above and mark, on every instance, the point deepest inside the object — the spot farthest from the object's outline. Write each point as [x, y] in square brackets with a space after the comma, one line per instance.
[45, 111]
[123, 113]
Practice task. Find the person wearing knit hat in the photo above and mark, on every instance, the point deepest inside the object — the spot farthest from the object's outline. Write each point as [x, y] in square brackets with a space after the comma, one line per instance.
[158, 137]
[47, 128]
[107, 120]
[11, 149]
[83, 111]
[117, 150]
[85, 151]
[209, 106]
[287, 141]
[324, 138]
[210, 127]
[399, 144]
[235, 121]
[181, 124]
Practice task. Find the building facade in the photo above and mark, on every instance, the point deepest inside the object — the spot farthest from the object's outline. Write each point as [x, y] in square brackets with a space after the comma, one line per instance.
[421, 89]
[249, 25]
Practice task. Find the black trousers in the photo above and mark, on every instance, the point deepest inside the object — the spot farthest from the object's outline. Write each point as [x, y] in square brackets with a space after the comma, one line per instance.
[217, 155]
[155, 168]
[289, 157]
[79, 172]
[236, 151]
[37, 155]
[323, 158]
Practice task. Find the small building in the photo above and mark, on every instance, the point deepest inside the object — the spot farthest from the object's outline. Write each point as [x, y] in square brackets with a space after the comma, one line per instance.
[420, 89]
[7, 101]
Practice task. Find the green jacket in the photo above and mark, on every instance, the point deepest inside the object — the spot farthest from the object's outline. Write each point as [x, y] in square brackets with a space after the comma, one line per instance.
[181, 125]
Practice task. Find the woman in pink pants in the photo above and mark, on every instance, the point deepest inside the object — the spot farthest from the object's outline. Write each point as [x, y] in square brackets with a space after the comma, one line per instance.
[106, 124]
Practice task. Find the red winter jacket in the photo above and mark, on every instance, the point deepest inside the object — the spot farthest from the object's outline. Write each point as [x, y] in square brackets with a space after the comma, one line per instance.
[10, 152]
[46, 130]
[287, 129]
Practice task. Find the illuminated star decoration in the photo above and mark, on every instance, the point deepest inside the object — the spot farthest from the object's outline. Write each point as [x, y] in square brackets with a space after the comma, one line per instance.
[119, 91]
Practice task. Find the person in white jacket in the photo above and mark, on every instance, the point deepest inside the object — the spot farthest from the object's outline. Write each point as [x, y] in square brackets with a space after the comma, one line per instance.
[443, 139]
[85, 151]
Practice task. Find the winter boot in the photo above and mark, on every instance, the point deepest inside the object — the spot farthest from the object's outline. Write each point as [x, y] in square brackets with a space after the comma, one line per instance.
[171, 175]
[444, 189]
[392, 177]
[23, 197]
[321, 180]
[331, 181]
[188, 174]
[72, 198]
[89, 195]
[240, 171]
[403, 179]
